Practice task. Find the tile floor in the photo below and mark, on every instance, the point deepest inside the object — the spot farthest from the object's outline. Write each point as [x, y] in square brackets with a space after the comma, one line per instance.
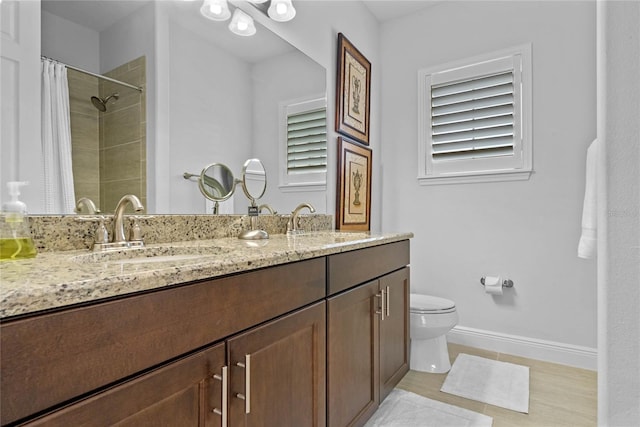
[559, 396]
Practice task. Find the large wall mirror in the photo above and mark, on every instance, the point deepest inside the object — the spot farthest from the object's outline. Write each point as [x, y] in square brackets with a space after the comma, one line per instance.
[210, 96]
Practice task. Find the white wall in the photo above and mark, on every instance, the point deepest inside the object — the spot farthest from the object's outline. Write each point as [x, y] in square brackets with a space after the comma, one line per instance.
[528, 230]
[70, 43]
[289, 77]
[211, 115]
[619, 209]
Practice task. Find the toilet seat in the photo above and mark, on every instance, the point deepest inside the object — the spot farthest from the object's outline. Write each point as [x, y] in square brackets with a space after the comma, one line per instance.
[427, 304]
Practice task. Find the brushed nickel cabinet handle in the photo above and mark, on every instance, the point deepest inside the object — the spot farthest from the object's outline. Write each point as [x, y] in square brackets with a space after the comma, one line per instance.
[247, 383]
[388, 303]
[225, 385]
[382, 304]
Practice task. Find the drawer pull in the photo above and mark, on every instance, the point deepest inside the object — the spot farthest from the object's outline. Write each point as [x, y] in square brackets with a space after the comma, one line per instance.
[387, 301]
[382, 304]
[225, 384]
[247, 383]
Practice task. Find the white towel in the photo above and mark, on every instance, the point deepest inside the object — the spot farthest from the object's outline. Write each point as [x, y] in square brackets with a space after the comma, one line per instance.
[588, 245]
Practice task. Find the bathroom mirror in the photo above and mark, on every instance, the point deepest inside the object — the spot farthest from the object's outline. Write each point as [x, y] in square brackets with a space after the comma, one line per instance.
[216, 182]
[208, 93]
[254, 179]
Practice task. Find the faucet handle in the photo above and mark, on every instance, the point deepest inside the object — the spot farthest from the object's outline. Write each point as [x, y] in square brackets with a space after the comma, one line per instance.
[102, 234]
[135, 232]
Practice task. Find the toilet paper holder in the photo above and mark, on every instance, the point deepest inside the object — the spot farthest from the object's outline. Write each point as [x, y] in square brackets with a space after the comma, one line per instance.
[508, 283]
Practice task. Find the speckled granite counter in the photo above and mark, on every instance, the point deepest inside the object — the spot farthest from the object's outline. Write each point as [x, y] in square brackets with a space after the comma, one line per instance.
[58, 279]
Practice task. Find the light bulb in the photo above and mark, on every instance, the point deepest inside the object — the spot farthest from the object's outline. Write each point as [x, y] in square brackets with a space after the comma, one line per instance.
[281, 10]
[242, 24]
[216, 10]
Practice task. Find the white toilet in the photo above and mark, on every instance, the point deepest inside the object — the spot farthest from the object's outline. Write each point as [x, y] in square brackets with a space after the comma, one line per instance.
[430, 319]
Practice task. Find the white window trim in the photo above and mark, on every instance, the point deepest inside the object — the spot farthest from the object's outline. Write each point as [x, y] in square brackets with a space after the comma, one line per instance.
[521, 56]
[300, 182]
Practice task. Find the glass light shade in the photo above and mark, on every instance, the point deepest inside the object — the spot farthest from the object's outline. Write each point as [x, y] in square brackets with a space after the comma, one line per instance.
[281, 10]
[242, 24]
[216, 10]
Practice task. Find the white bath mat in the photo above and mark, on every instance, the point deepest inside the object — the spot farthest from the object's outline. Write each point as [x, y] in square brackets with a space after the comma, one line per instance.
[489, 381]
[405, 409]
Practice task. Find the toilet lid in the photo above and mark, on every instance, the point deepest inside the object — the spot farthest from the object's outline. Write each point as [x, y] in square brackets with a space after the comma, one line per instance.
[426, 303]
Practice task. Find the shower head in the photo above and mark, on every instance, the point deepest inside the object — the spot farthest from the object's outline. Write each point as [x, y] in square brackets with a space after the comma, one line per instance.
[101, 104]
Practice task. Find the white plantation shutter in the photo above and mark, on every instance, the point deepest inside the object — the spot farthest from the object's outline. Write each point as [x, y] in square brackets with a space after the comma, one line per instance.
[307, 142]
[471, 120]
[303, 144]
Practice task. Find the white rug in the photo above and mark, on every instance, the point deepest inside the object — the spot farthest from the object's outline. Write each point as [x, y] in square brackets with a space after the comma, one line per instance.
[405, 409]
[489, 381]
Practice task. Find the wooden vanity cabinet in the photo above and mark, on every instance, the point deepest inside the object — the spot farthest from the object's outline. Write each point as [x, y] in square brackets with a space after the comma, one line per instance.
[63, 356]
[367, 331]
[284, 386]
[298, 344]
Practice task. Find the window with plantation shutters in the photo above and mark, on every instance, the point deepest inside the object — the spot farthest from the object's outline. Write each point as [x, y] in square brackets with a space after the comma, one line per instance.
[474, 119]
[304, 142]
[307, 142]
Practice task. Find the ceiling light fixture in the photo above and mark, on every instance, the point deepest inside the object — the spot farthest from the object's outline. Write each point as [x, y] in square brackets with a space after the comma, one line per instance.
[216, 10]
[242, 24]
[281, 10]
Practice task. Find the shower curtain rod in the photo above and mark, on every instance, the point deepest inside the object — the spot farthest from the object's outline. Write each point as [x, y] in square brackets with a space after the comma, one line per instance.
[100, 76]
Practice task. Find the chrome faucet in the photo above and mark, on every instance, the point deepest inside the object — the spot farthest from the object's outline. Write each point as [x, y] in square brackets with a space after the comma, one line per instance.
[118, 235]
[87, 203]
[292, 225]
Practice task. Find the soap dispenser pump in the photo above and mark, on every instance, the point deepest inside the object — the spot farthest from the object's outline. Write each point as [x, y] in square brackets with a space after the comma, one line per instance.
[15, 234]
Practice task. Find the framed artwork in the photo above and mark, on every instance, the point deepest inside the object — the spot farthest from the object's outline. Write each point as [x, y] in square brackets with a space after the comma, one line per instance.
[353, 92]
[354, 187]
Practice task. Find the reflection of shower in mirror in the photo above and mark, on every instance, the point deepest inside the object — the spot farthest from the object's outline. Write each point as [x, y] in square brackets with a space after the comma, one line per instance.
[101, 104]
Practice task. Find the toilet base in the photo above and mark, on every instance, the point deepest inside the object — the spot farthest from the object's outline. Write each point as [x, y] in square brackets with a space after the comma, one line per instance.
[430, 355]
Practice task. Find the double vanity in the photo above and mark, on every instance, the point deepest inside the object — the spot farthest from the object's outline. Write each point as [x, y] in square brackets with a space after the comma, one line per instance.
[297, 330]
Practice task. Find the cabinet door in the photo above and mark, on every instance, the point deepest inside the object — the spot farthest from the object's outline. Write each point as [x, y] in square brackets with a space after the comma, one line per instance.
[277, 372]
[352, 356]
[183, 393]
[394, 330]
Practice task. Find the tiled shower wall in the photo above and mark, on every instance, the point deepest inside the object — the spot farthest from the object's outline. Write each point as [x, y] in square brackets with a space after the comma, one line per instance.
[123, 166]
[109, 148]
[84, 135]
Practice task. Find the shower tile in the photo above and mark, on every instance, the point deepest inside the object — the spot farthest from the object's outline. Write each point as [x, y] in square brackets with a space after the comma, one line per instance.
[121, 162]
[121, 126]
[84, 131]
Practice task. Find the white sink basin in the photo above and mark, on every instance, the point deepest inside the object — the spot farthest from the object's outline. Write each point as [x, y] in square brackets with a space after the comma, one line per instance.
[151, 254]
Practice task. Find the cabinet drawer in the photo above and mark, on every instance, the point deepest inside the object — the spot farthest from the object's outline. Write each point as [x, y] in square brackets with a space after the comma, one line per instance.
[51, 358]
[352, 268]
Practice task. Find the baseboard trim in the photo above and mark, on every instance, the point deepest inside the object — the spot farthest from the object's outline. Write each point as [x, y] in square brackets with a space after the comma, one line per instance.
[549, 351]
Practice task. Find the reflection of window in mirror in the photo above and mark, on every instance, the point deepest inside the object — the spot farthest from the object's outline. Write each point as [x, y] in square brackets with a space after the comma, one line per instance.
[303, 142]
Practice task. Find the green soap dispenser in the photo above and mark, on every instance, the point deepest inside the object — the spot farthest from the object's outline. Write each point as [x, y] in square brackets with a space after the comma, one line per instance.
[15, 234]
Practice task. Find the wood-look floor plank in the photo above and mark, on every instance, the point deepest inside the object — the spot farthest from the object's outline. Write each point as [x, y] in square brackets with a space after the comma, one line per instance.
[559, 395]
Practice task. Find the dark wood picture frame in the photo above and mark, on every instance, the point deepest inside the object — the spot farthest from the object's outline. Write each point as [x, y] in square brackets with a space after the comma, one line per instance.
[353, 205]
[353, 92]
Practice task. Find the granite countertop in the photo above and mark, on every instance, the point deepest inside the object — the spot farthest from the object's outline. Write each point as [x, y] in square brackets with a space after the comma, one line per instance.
[58, 279]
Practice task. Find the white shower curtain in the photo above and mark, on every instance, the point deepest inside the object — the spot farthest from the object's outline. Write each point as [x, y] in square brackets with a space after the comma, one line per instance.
[56, 139]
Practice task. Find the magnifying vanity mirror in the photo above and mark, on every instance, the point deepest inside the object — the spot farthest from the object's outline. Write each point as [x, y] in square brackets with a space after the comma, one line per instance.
[216, 183]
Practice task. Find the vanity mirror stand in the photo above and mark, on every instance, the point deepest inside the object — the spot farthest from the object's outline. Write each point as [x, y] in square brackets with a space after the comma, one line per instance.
[217, 183]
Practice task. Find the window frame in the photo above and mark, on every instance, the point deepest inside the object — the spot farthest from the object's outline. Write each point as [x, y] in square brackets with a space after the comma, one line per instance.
[303, 181]
[516, 167]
